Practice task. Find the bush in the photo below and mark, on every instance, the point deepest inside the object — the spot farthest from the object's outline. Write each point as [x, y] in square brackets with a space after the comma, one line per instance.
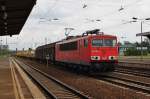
[4, 52]
[135, 52]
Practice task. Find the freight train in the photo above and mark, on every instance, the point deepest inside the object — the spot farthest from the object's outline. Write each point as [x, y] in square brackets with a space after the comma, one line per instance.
[92, 51]
[25, 53]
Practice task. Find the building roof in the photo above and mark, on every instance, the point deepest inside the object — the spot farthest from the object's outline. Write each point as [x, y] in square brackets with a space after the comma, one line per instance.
[13, 15]
[147, 34]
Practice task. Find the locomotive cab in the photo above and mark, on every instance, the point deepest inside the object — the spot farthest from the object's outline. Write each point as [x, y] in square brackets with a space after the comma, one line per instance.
[103, 49]
[104, 52]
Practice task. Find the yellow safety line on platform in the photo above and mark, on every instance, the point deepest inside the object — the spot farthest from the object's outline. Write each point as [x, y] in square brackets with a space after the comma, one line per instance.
[36, 93]
[16, 84]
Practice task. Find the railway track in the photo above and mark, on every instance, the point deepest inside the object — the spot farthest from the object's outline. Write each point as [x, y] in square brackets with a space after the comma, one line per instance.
[134, 68]
[135, 64]
[132, 77]
[53, 87]
[133, 71]
[138, 83]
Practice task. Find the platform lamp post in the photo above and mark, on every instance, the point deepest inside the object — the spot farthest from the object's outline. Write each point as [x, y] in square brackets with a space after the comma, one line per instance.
[141, 21]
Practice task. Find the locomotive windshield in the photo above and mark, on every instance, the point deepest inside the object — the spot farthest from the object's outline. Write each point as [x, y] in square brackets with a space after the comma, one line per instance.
[104, 42]
[97, 42]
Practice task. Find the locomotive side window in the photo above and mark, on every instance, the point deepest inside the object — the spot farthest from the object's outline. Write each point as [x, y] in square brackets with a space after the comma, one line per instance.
[68, 46]
[97, 42]
[85, 43]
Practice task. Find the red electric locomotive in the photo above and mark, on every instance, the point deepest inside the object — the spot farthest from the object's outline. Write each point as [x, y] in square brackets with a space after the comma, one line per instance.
[91, 51]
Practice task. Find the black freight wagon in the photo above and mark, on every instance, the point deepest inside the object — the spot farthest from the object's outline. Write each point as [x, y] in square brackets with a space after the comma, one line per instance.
[44, 51]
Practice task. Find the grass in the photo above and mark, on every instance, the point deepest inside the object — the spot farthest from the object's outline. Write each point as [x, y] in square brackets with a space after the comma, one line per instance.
[4, 56]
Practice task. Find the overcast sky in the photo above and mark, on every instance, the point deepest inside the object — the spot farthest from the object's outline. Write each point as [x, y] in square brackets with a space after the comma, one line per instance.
[81, 15]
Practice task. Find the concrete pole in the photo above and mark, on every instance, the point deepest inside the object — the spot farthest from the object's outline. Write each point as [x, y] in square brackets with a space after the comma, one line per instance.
[141, 41]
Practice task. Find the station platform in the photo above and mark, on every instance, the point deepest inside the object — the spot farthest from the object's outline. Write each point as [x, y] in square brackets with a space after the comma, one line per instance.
[135, 59]
[6, 82]
[15, 84]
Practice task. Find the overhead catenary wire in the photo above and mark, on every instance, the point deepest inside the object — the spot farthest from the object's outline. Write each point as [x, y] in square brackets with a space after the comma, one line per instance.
[95, 20]
[124, 7]
[45, 18]
[84, 3]
[118, 25]
[124, 23]
[146, 23]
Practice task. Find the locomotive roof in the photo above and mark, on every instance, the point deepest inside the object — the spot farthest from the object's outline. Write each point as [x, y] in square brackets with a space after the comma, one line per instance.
[74, 38]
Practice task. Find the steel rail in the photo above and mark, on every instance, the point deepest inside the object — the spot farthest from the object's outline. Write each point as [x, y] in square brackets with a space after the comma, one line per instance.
[128, 84]
[136, 85]
[132, 71]
[138, 65]
[75, 93]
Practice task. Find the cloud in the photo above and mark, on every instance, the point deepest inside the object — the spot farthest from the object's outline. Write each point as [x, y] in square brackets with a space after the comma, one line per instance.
[70, 13]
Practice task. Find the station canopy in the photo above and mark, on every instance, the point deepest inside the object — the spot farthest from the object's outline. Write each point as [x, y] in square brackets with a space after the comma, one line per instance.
[147, 34]
[13, 15]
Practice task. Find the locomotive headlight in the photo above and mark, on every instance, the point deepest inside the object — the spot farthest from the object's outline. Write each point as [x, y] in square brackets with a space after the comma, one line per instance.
[113, 57]
[95, 57]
